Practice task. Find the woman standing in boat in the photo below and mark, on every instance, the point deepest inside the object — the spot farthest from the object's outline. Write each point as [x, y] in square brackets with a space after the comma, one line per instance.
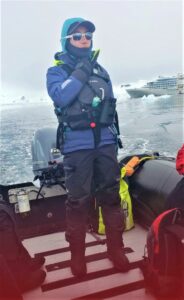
[85, 106]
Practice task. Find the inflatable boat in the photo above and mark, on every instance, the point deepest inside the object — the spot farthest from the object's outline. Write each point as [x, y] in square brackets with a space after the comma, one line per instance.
[39, 210]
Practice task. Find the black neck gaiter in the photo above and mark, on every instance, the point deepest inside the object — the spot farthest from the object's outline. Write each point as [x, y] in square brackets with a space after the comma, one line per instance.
[79, 52]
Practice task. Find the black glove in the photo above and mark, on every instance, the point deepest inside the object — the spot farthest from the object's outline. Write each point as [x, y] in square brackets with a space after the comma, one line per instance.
[83, 70]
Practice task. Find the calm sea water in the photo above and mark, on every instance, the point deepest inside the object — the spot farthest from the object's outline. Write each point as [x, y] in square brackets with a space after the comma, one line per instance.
[147, 125]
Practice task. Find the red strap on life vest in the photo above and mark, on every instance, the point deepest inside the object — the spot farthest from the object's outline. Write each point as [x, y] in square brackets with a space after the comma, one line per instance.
[156, 225]
[180, 161]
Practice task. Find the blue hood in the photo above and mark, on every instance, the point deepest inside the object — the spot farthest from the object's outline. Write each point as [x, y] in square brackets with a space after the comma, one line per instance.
[68, 28]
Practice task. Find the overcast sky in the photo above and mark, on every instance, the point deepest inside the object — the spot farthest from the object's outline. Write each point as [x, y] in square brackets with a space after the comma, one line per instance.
[138, 39]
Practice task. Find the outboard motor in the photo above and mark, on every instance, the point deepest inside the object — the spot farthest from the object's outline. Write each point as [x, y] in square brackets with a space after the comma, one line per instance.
[48, 181]
[47, 159]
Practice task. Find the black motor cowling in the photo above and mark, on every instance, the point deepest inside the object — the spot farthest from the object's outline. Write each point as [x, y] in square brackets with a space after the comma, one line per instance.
[46, 158]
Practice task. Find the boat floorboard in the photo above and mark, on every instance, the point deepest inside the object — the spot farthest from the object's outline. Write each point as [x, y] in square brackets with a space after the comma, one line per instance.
[102, 280]
[139, 294]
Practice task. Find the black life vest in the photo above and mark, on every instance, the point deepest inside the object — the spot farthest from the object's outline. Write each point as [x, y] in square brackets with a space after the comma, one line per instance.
[94, 105]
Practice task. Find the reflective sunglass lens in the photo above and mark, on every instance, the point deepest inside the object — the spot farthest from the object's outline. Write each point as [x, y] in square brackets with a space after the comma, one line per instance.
[88, 35]
[78, 36]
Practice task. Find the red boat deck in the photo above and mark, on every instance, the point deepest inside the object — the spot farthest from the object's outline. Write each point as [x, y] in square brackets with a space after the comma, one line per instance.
[102, 280]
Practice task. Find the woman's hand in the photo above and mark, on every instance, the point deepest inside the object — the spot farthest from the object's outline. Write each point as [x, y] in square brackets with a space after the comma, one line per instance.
[83, 70]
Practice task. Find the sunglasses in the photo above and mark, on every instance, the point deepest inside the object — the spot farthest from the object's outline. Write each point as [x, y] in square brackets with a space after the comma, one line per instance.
[78, 36]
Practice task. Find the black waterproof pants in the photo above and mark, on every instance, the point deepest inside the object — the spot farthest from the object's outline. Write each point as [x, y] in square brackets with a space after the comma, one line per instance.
[92, 174]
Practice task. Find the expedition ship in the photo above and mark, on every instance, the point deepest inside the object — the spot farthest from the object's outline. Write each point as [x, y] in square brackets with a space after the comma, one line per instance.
[162, 86]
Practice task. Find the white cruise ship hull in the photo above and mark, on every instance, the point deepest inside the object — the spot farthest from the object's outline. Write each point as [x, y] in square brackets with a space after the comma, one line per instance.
[140, 92]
